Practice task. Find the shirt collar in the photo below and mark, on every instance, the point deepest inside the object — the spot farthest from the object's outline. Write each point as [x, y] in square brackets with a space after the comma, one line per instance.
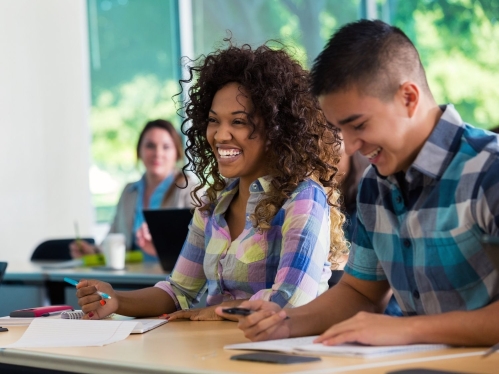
[135, 186]
[441, 147]
[262, 184]
[257, 187]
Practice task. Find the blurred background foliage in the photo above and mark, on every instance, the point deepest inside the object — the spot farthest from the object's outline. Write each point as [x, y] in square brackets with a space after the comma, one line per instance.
[136, 60]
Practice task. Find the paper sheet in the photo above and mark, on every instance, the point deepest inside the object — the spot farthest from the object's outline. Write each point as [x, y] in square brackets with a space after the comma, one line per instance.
[304, 345]
[73, 333]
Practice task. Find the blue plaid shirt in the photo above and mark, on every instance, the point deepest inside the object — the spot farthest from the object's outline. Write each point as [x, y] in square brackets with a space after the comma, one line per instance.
[421, 230]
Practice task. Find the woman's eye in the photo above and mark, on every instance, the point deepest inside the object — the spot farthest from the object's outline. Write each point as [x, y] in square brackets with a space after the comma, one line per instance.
[211, 120]
[239, 122]
[360, 127]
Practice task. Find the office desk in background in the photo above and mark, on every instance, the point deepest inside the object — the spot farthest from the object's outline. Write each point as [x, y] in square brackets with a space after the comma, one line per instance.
[197, 347]
[27, 284]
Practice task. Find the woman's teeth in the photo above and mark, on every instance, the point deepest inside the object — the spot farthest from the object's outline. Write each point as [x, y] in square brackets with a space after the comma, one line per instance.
[227, 153]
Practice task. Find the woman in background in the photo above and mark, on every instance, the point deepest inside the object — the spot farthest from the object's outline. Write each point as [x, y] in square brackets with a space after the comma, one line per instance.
[159, 148]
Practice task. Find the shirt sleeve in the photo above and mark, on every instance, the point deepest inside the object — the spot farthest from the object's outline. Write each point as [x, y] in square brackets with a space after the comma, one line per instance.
[303, 269]
[187, 282]
[486, 208]
[363, 262]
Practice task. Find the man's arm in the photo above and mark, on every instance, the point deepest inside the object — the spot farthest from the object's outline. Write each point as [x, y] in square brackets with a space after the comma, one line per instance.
[341, 302]
[461, 328]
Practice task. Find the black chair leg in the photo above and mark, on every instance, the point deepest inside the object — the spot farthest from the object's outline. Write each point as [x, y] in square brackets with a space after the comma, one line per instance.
[56, 292]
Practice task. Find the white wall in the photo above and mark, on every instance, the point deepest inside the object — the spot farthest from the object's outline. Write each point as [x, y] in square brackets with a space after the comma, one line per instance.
[44, 128]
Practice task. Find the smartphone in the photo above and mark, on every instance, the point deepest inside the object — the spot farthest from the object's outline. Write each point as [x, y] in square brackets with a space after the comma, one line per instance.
[274, 358]
[238, 311]
[42, 311]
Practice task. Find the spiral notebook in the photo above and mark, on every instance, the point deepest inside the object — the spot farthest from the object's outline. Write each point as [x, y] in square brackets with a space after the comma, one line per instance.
[143, 325]
[305, 346]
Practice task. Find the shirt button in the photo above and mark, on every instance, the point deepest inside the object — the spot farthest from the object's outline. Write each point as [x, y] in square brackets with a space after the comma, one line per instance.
[407, 243]
[416, 294]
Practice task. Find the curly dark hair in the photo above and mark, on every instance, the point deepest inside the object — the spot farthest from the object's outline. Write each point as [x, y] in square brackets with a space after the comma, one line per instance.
[303, 145]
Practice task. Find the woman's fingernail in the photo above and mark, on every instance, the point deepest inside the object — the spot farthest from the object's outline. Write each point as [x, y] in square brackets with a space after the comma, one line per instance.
[102, 302]
[90, 314]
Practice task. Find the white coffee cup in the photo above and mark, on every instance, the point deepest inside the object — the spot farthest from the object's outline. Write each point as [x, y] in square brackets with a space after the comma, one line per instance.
[114, 250]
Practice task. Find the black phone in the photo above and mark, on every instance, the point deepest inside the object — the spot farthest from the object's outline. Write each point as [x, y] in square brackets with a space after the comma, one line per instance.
[238, 311]
[274, 358]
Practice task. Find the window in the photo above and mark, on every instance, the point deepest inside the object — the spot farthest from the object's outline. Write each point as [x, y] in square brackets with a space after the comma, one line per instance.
[134, 54]
[135, 59]
[303, 25]
[459, 45]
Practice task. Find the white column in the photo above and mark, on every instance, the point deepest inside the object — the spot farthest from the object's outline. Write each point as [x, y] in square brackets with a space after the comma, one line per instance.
[44, 130]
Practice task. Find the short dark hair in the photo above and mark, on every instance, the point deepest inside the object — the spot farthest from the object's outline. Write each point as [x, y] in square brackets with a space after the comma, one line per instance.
[167, 126]
[371, 56]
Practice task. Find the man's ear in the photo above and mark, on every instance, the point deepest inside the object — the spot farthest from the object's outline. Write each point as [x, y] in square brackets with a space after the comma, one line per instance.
[409, 95]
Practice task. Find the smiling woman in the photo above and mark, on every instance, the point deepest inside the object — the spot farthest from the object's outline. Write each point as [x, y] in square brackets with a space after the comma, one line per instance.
[159, 148]
[268, 225]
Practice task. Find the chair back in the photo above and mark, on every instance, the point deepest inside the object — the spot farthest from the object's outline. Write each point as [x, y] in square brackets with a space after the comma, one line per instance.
[55, 249]
[3, 267]
[335, 277]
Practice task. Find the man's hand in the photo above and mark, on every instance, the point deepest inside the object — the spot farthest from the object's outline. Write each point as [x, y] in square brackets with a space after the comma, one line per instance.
[371, 329]
[266, 322]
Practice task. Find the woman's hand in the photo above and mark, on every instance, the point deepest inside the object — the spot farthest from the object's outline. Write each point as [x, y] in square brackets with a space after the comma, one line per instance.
[144, 240]
[78, 248]
[92, 304]
[206, 314]
[198, 314]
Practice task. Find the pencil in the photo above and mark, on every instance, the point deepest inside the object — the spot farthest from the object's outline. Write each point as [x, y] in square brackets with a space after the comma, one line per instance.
[491, 350]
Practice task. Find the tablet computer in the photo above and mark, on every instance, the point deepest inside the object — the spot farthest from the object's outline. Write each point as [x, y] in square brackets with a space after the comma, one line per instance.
[168, 228]
[491, 247]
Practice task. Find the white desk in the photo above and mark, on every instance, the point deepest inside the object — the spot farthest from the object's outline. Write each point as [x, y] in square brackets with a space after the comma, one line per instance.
[197, 347]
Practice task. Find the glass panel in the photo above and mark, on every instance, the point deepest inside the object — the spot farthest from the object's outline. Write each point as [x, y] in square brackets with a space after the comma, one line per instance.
[459, 45]
[302, 24]
[134, 52]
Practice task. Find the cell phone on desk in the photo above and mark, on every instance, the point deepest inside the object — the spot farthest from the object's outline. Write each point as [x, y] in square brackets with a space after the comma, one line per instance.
[42, 311]
[274, 358]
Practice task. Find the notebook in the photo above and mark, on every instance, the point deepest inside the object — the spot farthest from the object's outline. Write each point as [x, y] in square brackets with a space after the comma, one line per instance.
[142, 325]
[168, 228]
[305, 345]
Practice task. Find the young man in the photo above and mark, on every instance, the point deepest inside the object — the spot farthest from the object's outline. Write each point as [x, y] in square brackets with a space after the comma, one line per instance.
[432, 191]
